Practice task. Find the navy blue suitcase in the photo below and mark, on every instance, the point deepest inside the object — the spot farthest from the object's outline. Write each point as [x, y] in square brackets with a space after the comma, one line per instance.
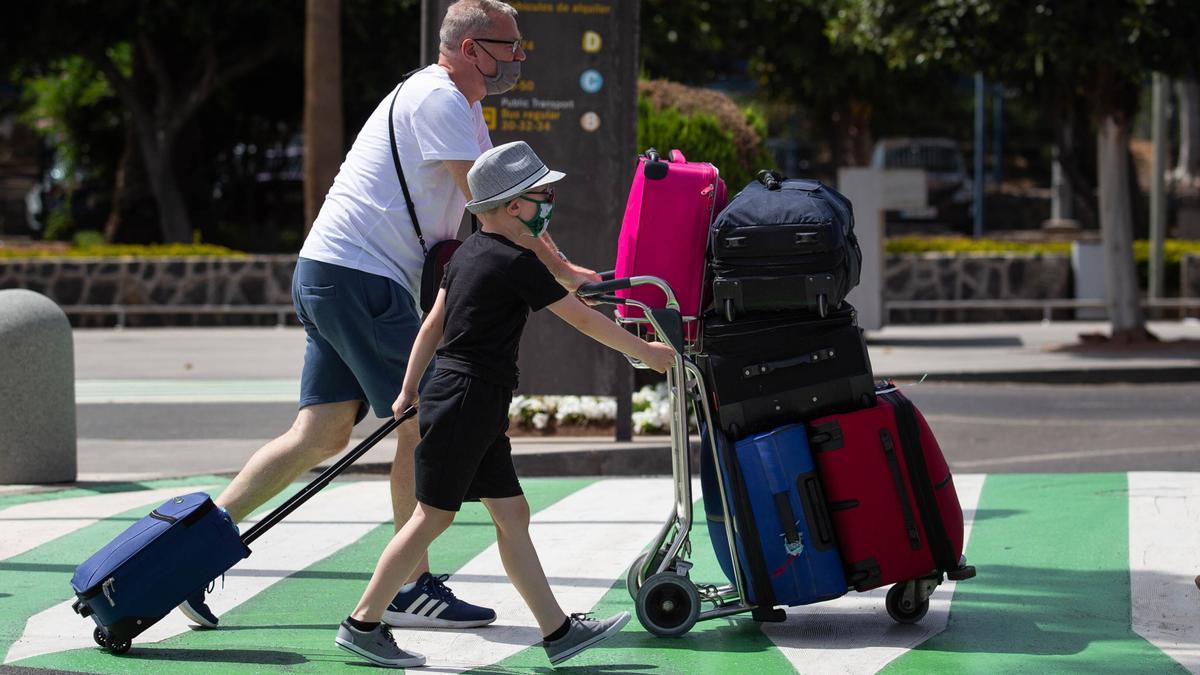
[180, 547]
[771, 478]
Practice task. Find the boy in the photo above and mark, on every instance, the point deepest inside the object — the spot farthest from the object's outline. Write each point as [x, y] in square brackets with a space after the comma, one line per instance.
[490, 287]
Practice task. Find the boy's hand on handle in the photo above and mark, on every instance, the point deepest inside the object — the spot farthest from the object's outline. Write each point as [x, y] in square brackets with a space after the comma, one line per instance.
[403, 402]
[659, 356]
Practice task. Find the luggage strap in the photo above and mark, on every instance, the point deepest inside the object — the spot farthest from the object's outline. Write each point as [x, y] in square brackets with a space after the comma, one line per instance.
[910, 524]
[756, 370]
[922, 484]
[743, 518]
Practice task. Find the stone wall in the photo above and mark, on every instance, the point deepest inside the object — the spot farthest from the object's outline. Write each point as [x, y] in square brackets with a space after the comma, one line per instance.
[250, 280]
[1190, 280]
[266, 280]
[932, 276]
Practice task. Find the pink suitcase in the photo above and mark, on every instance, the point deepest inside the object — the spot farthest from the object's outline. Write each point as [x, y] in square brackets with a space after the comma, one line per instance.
[665, 231]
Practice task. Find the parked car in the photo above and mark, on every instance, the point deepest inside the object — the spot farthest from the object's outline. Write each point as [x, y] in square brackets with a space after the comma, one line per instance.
[948, 189]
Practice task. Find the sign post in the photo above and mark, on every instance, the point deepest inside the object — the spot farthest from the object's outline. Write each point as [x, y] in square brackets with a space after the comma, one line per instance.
[576, 106]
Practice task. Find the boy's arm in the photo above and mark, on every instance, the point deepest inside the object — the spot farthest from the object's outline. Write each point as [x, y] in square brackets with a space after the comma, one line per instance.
[423, 348]
[595, 325]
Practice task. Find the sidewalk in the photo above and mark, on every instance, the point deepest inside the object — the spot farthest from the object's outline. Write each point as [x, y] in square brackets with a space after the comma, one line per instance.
[261, 366]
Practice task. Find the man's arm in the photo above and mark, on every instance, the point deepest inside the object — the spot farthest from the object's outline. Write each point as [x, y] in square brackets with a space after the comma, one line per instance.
[459, 168]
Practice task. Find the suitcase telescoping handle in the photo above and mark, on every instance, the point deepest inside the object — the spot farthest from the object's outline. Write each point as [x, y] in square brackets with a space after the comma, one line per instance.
[326, 477]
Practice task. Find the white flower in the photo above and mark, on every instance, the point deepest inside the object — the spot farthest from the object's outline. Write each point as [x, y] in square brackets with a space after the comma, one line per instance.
[541, 420]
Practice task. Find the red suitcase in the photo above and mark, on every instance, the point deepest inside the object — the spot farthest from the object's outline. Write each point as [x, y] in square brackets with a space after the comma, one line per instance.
[890, 494]
[665, 231]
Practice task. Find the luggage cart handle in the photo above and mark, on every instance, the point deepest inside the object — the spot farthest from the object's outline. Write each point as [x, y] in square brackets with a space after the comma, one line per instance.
[606, 287]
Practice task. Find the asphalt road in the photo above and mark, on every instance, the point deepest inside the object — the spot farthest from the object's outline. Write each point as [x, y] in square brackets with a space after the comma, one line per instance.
[983, 428]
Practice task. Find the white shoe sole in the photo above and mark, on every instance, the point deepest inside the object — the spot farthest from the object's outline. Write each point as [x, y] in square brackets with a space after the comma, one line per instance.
[615, 628]
[195, 617]
[407, 620]
[417, 660]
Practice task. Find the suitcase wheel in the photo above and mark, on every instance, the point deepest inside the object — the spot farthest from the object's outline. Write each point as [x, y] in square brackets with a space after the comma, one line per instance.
[668, 605]
[730, 312]
[113, 645]
[902, 604]
[632, 583]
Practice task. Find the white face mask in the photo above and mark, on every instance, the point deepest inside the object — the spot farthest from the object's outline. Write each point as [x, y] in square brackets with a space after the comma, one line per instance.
[507, 74]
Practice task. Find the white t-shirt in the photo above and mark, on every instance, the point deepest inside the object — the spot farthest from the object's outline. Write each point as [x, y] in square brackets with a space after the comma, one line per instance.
[364, 223]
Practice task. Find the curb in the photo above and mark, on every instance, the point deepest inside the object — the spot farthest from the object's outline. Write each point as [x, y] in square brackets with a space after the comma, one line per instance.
[1156, 375]
[610, 461]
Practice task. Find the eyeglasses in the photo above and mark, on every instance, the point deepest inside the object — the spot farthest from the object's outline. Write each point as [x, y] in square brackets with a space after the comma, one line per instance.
[513, 44]
[549, 192]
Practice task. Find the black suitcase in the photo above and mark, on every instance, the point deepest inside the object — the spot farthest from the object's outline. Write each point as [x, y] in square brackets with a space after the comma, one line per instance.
[773, 369]
[784, 244]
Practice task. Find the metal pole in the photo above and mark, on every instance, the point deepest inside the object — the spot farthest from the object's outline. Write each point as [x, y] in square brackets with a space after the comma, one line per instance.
[1158, 193]
[997, 133]
[979, 178]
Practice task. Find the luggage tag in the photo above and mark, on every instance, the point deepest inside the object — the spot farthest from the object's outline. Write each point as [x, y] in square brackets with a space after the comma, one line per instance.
[793, 550]
[889, 386]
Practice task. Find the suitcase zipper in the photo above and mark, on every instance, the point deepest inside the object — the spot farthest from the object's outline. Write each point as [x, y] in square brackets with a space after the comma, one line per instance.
[108, 587]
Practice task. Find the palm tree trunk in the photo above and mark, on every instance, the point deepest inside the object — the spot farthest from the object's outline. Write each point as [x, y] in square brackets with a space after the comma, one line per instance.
[323, 140]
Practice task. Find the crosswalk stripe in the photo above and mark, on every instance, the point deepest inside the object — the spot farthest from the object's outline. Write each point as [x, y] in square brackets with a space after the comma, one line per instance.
[1164, 556]
[332, 520]
[585, 541]
[29, 525]
[854, 634]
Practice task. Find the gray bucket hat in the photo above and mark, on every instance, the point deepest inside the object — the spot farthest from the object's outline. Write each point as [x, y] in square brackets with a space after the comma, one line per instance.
[504, 172]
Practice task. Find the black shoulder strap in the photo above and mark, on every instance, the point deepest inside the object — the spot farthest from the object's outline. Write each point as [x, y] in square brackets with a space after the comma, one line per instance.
[412, 211]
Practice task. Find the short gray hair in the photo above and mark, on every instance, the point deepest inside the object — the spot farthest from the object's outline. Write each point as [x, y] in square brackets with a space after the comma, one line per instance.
[469, 18]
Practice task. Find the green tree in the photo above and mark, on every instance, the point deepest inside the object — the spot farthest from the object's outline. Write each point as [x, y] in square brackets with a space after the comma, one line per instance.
[1098, 50]
[180, 54]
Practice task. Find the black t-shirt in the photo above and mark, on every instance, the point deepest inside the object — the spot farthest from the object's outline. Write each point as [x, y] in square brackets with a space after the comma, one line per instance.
[491, 286]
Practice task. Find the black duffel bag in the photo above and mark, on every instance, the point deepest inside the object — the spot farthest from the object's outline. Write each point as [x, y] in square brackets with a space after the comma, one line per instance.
[783, 244]
[771, 369]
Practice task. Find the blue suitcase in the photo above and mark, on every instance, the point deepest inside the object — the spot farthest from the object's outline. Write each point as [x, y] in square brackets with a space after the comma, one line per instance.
[778, 506]
[180, 547]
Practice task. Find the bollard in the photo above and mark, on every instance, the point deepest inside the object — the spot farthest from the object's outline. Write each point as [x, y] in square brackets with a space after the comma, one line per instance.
[37, 390]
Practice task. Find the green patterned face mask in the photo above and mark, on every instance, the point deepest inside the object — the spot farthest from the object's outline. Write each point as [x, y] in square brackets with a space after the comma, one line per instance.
[540, 222]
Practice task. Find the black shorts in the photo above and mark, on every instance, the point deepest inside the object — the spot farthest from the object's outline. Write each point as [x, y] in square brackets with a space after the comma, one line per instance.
[464, 454]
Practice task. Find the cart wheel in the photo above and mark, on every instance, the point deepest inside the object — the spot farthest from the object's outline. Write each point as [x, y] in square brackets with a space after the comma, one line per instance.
[101, 637]
[631, 577]
[668, 605]
[118, 647]
[903, 609]
[822, 305]
[730, 312]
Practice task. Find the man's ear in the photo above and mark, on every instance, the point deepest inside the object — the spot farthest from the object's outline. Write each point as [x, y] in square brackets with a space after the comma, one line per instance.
[468, 49]
[513, 208]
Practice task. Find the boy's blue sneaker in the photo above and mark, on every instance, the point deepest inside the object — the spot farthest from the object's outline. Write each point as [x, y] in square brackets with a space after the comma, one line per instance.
[197, 610]
[430, 604]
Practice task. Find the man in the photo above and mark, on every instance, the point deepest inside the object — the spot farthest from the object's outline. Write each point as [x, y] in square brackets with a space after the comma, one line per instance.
[359, 274]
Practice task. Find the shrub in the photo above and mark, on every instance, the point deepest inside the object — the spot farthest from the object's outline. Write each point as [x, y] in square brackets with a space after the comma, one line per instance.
[91, 250]
[706, 125]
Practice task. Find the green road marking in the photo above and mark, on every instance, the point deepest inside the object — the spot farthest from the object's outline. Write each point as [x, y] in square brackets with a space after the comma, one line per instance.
[37, 580]
[1052, 593]
[90, 490]
[183, 391]
[719, 646]
[291, 624]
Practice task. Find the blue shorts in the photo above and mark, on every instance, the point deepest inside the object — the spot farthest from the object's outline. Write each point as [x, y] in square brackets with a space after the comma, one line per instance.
[361, 328]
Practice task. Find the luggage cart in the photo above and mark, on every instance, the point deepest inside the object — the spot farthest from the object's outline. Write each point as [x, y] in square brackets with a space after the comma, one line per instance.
[668, 602]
